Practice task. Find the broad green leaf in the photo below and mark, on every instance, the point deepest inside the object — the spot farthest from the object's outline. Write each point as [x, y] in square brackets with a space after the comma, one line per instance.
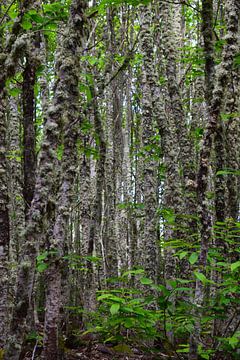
[42, 256]
[55, 7]
[205, 356]
[235, 265]
[221, 263]
[133, 272]
[172, 283]
[12, 13]
[114, 309]
[42, 267]
[182, 254]
[193, 258]
[26, 23]
[201, 277]
[38, 19]
[233, 341]
[92, 60]
[146, 281]
[14, 91]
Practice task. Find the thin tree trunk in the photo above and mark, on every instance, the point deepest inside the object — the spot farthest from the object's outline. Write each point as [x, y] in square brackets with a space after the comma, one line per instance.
[149, 163]
[58, 243]
[186, 154]
[74, 35]
[29, 156]
[232, 144]
[4, 226]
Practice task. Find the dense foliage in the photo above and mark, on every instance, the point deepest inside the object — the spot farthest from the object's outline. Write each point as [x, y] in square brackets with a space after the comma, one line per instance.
[119, 178]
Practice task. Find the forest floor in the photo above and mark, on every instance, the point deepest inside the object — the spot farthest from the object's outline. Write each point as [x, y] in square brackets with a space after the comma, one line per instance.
[102, 352]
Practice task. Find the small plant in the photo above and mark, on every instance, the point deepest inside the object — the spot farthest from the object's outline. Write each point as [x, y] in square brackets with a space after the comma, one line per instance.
[124, 315]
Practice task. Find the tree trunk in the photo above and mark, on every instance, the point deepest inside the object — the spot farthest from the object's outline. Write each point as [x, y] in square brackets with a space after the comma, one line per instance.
[222, 76]
[4, 226]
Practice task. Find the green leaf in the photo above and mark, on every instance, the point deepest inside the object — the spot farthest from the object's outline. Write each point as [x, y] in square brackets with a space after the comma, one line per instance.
[161, 288]
[42, 256]
[129, 323]
[114, 309]
[193, 258]
[235, 265]
[172, 283]
[26, 23]
[111, 297]
[36, 89]
[146, 281]
[60, 150]
[14, 91]
[183, 289]
[205, 356]
[55, 7]
[233, 341]
[182, 254]
[183, 350]
[133, 272]
[236, 62]
[12, 13]
[93, 259]
[104, 296]
[228, 172]
[42, 267]
[92, 60]
[38, 19]
[201, 277]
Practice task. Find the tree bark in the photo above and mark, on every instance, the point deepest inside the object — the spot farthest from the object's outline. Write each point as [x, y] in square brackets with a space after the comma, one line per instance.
[4, 226]
[64, 91]
[149, 165]
[222, 76]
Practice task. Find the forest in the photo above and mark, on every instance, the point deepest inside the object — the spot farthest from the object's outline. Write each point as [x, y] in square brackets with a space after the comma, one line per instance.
[119, 179]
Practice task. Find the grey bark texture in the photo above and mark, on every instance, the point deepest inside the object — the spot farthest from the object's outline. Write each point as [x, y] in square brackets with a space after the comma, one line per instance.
[65, 89]
[222, 75]
[4, 226]
[149, 162]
